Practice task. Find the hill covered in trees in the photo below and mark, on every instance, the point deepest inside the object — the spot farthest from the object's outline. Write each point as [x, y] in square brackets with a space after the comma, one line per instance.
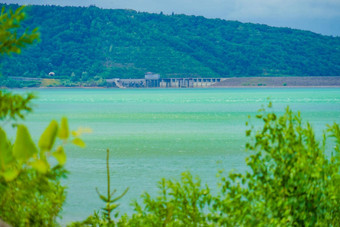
[80, 43]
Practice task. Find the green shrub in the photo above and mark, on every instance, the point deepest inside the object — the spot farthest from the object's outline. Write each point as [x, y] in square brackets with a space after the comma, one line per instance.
[32, 199]
[179, 203]
[30, 189]
[290, 182]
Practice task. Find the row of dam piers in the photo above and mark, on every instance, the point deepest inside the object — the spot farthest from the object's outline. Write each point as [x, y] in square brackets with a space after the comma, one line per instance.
[164, 83]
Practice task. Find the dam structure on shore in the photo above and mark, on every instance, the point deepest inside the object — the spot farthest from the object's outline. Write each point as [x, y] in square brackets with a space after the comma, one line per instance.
[154, 81]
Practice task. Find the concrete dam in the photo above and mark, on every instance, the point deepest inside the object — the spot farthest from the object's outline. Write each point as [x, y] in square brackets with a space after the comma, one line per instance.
[154, 81]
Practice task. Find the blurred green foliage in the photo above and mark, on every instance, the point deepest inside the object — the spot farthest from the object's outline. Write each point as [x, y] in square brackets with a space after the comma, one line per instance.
[179, 203]
[30, 189]
[292, 181]
[12, 38]
[13, 106]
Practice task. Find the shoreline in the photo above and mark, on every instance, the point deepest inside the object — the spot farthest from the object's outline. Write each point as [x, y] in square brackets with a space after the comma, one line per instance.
[232, 82]
[211, 87]
[336, 86]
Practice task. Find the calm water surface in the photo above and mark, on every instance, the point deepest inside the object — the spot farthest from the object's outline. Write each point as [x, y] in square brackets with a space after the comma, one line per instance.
[155, 133]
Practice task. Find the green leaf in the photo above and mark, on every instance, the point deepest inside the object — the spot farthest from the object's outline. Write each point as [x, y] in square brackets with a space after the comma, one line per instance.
[81, 131]
[78, 142]
[23, 148]
[10, 175]
[110, 207]
[119, 197]
[60, 155]
[102, 197]
[6, 155]
[41, 166]
[48, 137]
[64, 131]
[113, 206]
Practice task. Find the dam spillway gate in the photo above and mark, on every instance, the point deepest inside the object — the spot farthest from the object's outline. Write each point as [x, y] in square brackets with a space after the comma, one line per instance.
[164, 83]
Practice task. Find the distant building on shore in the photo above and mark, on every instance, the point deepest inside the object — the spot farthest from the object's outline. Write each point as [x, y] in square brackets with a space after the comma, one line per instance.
[152, 80]
[152, 76]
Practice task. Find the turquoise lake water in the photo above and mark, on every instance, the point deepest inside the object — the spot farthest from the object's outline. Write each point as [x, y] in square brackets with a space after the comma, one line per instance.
[155, 133]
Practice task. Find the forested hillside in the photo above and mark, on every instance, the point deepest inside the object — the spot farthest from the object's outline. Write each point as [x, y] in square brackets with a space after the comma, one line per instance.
[81, 43]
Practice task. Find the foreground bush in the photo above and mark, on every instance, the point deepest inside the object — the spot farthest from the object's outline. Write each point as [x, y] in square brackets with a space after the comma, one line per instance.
[30, 193]
[32, 199]
[30, 190]
[179, 203]
[291, 182]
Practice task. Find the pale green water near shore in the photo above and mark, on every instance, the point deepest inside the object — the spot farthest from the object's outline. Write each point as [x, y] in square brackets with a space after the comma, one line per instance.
[154, 133]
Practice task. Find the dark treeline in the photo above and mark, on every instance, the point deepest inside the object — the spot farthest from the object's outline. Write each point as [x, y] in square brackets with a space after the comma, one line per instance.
[80, 44]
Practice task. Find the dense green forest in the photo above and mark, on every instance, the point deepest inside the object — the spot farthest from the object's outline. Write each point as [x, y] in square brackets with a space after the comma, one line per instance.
[89, 43]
